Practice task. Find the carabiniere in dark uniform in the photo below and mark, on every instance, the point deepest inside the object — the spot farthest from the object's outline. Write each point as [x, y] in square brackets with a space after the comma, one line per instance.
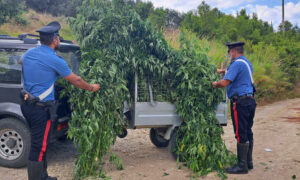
[240, 87]
[41, 68]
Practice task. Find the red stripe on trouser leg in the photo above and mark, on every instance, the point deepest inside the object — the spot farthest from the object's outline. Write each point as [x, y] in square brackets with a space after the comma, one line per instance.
[45, 140]
[236, 123]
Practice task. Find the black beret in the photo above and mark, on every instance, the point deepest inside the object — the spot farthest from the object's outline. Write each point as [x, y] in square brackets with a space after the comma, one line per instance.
[234, 44]
[51, 28]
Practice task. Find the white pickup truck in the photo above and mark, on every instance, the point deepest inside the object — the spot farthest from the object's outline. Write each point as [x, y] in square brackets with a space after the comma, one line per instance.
[162, 118]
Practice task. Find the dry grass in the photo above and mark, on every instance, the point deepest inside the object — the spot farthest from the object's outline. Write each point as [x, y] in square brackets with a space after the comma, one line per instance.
[35, 21]
[172, 37]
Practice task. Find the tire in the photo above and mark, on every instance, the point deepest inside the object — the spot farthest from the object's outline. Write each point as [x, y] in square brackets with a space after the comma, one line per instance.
[63, 138]
[173, 147]
[157, 139]
[124, 133]
[14, 143]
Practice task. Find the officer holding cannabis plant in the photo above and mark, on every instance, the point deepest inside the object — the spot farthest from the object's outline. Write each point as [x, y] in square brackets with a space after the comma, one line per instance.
[41, 68]
[239, 84]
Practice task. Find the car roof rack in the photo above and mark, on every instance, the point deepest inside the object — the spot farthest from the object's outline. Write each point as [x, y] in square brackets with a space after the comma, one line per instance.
[24, 36]
[4, 36]
[26, 40]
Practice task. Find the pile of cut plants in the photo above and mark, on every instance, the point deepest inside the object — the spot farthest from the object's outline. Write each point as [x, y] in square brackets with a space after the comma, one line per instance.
[117, 45]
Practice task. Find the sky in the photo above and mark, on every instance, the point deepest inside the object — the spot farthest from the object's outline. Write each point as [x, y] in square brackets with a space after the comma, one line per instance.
[267, 10]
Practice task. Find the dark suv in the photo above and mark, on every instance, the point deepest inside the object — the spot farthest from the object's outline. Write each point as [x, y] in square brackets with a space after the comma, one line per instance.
[14, 130]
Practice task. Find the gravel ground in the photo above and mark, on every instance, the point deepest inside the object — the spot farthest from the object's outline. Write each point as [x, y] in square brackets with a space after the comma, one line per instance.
[277, 127]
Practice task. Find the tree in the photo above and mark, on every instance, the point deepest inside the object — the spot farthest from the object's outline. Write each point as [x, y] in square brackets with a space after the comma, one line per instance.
[287, 26]
[54, 7]
[208, 19]
[158, 17]
[243, 13]
[213, 24]
[203, 8]
[143, 9]
[10, 9]
[173, 18]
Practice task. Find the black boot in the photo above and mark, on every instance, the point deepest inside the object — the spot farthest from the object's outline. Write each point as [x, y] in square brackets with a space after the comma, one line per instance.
[49, 178]
[45, 173]
[34, 170]
[241, 167]
[249, 157]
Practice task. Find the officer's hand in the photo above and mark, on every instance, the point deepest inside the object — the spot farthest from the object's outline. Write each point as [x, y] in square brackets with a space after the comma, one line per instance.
[95, 87]
[214, 84]
[221, 71]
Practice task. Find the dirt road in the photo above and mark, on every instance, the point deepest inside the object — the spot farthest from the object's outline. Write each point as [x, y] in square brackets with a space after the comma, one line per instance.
[276, 127]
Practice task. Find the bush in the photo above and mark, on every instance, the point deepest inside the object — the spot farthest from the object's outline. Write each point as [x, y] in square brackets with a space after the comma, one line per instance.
[21, 21]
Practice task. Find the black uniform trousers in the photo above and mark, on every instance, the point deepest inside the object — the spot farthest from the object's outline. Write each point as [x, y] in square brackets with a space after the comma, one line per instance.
[242, 115]
[40, 127]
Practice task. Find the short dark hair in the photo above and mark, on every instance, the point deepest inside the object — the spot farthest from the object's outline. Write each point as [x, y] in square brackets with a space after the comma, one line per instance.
[47, 39]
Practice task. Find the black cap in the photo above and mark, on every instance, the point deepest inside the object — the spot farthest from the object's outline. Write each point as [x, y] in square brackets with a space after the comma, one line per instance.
[234, 44]
[51, 28]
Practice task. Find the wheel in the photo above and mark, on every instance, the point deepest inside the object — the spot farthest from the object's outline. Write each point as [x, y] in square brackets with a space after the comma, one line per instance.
[157, 138]
[124, 133]
[173, 147]
[63, 137]
[14, 143]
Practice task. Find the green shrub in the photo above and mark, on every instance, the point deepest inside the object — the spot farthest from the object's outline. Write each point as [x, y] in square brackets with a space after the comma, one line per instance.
[21, 21]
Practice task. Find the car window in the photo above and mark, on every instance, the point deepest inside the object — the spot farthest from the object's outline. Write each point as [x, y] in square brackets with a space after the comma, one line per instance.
[72, 58]
[10, 69]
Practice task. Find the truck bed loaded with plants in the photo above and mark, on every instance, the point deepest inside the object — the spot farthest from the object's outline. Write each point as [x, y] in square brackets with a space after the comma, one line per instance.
[134, 64]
